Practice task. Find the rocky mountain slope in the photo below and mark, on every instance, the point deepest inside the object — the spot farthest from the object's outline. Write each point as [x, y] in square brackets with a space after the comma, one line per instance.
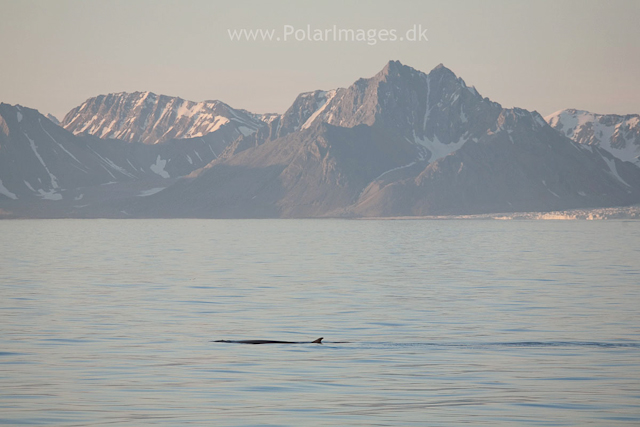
[41, 161]
[152, 119]
[619, 135]
[401, 143]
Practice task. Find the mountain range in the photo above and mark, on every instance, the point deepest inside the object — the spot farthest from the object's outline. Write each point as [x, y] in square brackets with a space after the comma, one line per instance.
[401, 143]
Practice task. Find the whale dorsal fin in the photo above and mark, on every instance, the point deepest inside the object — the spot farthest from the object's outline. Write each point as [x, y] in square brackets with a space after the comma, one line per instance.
[318, 341]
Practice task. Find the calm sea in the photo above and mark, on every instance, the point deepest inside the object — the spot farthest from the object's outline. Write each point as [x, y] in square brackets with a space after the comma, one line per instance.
[484, 323]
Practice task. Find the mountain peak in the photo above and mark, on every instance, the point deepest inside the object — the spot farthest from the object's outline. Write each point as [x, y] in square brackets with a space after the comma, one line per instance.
[422, 106]
[442, 70]
[393, 65]
[397, 68]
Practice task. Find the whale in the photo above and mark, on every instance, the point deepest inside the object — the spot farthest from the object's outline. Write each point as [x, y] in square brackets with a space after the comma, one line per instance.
[318, 341]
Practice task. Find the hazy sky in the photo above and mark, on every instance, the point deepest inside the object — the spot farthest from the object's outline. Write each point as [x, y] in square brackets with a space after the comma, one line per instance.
[539, 55]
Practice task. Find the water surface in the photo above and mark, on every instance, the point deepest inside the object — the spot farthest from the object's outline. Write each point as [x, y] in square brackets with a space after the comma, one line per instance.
[425, 322]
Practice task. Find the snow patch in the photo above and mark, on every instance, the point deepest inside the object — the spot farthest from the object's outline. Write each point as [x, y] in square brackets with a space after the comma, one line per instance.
[158, 167]
[245, 130]
[201, 121]
[438, 149]
[463, 116]
[549, 190]
[328, 96]
[112, 165]
[151, 191]
[394, 169]
[218, 122]
[269, 117]
[109, 172]
[54, 180]
[50, 195]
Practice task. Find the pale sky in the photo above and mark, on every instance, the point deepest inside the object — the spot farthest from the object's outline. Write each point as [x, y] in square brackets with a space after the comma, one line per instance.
[539, 55]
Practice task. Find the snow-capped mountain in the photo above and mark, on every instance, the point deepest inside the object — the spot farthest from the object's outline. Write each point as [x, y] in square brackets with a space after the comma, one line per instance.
[151, 119]
[437, 112]
[401, 143]
[520, 164]
[618, 135]
[40, 160]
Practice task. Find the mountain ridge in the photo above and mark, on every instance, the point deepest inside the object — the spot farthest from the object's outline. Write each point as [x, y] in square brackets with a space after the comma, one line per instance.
[151, 119]
[433, 124]
[399, 143]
